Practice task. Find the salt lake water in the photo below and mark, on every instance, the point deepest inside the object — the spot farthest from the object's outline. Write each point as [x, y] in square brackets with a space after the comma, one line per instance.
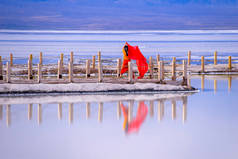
[87, 43]
[199, 125]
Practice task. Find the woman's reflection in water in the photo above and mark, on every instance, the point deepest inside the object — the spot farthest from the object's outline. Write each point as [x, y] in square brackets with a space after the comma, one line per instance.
[135, 123]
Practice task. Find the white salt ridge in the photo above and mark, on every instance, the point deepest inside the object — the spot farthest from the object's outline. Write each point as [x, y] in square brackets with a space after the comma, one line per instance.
[89, 98]
[88, 87]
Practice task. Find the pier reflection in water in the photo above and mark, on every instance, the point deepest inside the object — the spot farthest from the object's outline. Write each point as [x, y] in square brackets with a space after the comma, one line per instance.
[133, 116]
[151, 125]
[129, 111]
[215, 79]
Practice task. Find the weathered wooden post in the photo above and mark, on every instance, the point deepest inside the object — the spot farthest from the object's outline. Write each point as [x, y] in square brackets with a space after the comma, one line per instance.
[100, 71]
[11, 59]
[229, 63]
[93, 62]
[29, 70]
[87, 68]
[62, 63]
[31, 57]
[1, 69]
[160, 109]
[30, 67]
[215, 58]
[41, 58]
[185, 73]
[87, 110]
[174, 69]
[158, 58]
[70, 72]
[100, 76]
[59, 76]
[189, 57]
[8, 73]
[130, 72]
[202, 64]
[161, 71]
[39, 112]
[62, 59]
[59, 111]
[39, 75]
[100, 111]
[99, 56]
[72, 57]
[30, 111]
[151, 67]
[118, 67]
[185, 101]
[71, 67]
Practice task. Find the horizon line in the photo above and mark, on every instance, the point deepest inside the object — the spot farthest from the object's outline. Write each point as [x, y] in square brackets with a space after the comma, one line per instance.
[119, 31]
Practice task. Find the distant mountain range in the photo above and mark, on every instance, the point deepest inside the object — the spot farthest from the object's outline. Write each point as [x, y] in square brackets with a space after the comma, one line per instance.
[118, 14]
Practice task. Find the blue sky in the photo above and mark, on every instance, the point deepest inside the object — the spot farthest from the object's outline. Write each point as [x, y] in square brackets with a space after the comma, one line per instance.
[118, 14]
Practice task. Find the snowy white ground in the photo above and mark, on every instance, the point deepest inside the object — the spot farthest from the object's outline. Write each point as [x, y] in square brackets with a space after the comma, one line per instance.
[87, 87]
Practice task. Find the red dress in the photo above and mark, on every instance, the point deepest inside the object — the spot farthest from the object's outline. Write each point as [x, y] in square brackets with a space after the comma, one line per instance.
[133, 53]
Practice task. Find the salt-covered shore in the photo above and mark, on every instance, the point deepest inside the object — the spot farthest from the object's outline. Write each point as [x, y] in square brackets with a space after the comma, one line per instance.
[75, 98]
[7, 88]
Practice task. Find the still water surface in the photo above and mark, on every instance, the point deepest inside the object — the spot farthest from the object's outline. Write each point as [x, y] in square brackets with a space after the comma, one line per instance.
[110, 43]
[200, 125]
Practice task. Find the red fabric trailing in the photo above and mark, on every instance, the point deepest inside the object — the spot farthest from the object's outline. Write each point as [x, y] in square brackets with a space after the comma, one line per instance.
[136, 122]
[139, 119]
[134, 53]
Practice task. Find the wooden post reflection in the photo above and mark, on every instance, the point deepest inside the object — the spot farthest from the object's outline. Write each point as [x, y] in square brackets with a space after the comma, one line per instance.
[29, 111]
[130, 110]
[1, 112]
[215, 85]
[39, 110]
[118, 110]
[100, 111]
[151, 108]
[185, 101]
[173, 109]
[160, 110]
[71, 113]
[189, 81]
[229, 82]
[59, 111]
[202, 82]
[8, 120]
[87, 110]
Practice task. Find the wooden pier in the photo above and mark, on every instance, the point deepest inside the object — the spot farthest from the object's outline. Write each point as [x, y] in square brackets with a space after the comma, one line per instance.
[95, 70]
